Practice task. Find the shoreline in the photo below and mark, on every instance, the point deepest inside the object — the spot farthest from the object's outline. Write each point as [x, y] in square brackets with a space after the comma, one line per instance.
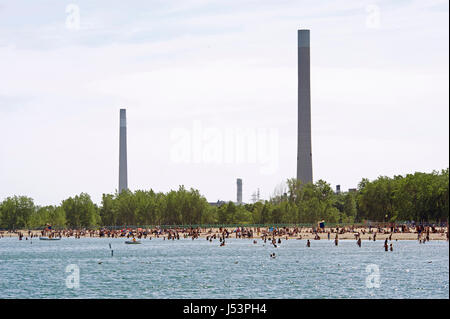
[364, 233]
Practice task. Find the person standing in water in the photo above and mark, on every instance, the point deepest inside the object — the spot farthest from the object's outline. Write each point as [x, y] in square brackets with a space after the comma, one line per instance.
[336, 240]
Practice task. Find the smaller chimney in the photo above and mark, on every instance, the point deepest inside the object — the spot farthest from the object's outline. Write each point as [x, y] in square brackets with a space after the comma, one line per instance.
[239, 191]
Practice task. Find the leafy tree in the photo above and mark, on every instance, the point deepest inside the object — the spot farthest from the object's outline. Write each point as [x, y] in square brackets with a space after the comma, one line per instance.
[15, 212]
[80, 211]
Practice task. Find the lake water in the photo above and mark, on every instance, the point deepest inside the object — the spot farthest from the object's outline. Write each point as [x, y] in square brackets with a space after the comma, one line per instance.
[199, 269]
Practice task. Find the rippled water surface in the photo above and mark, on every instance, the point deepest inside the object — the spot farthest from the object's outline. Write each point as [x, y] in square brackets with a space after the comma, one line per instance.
[199, 269]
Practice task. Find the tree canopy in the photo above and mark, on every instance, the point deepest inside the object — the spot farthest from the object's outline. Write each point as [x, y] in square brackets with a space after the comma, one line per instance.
[420, 197]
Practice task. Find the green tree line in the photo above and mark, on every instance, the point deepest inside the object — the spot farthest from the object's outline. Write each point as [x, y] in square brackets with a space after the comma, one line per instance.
[420, 197]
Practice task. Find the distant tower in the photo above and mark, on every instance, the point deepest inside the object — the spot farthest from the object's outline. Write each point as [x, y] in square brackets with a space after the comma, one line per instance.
[123, 176]
[255, 196]
[338, 189]
[254, 200]
[239, 190]
[304, 153]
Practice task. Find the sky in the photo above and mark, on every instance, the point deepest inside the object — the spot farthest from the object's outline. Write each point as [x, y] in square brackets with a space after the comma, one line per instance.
[210, 89]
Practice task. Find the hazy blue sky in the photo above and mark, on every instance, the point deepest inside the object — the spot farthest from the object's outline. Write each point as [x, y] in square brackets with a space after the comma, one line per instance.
[195, 74]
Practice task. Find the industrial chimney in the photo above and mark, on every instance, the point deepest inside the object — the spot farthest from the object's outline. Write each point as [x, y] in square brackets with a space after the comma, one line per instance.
[304, 152]
[239, 191]
[123, 176]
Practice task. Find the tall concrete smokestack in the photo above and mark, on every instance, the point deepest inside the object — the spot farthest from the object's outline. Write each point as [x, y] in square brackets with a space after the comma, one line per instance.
[304, 153]
[123, 176]
[239, 190]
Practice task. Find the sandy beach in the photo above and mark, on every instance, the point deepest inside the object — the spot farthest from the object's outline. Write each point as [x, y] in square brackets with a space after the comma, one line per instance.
[438, 233]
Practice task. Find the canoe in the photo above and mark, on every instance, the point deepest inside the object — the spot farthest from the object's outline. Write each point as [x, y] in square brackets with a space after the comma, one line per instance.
[46, 238]
[130, 242]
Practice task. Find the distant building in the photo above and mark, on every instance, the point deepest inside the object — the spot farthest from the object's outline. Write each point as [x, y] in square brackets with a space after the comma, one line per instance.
[217, 204]
[338, 189]
[352, 190]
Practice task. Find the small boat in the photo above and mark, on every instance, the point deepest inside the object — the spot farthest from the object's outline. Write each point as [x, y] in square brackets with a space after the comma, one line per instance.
[132, 242]
[47, 238]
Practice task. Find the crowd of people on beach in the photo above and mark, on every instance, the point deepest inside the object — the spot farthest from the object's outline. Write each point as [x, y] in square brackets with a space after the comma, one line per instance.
[273, 235]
